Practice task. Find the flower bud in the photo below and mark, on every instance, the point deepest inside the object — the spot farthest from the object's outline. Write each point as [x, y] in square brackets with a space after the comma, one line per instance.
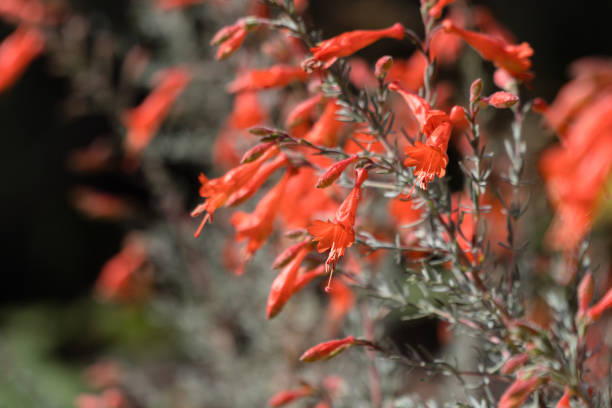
[327, 350]
[287, 396]
[288, 254]
[502, 100]
[475, 90]
[383, 65]
[595, 311]
[255, 152]
[585, 293]
[458, 117]
[514, 363]
[334, 171]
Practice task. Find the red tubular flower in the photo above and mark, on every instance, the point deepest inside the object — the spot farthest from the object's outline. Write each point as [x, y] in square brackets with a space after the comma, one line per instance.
[305, 278]
[256, 181]
[286, 396]
[408, 72]
[231, 37]
[337, 235]
[273, 77]
[418, 106]
[288, 254]
[246, 112]
[429, 159]
[514, 363]
[348, 43]
[218, 191]
[594, 312]
[516, 395]
[118, 278]
[282, 286]
[16, 52]
[325, 130]
[566, 399]
[513, 58]
[327, 350]
[332, 173]
[143, 121]
[301, 112]
[257, 227]
[585, 293]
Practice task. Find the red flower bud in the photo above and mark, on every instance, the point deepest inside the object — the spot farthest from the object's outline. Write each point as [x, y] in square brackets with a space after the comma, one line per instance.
[514, 363]
[255, 152]
[585, 293]
[595, 312]
[286, 396]
[458, 118]
[383, 65]
[288, 254]
[327, 350]
[502, 100]
[516, 395]
[334, 171]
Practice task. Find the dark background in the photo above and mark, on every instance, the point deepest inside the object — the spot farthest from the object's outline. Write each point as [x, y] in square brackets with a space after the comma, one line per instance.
[52, 252]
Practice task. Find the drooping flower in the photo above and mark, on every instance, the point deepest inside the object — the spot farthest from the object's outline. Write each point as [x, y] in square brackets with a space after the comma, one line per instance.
[511, 57]
[273, 77]
[348, 43]
[327, 350]
[257, 226]
[143, 121]
[283, 285]
[16, 52]
[337, 235]
[218, 191]
[287, 396]
[429, 159]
